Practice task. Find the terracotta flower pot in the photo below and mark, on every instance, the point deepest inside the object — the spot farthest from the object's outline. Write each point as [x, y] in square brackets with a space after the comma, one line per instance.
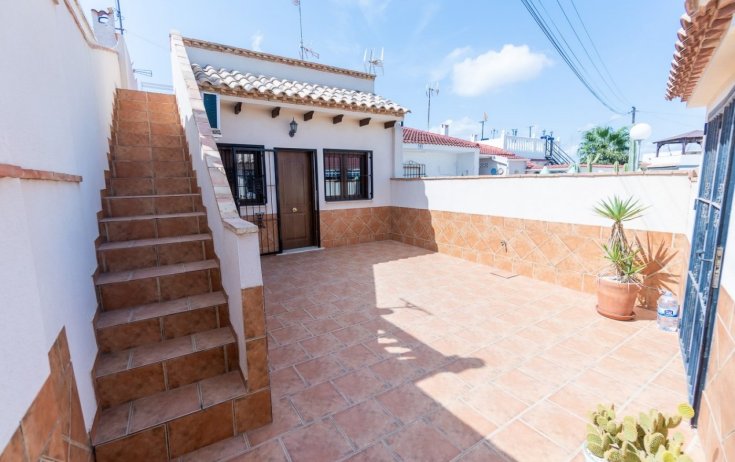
[616, 300]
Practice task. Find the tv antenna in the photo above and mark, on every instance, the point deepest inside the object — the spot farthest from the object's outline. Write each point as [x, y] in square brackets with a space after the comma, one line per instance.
[304, 51]
[371, 61]
[431, 89]
[482, 123]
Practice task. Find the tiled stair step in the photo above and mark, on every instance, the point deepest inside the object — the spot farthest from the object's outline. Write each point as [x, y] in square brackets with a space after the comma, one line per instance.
[127, 328]
[150, 169]
[172, 423]
[150, 186]
[145, 139]
[137, 372]
[123, 206]
[147, 127]
[143, 253]
[124, 289]
[152, 226]
[146, 153]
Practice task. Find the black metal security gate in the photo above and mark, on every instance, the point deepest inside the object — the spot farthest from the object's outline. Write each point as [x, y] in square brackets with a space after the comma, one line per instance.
[252, 180]
[708, 241]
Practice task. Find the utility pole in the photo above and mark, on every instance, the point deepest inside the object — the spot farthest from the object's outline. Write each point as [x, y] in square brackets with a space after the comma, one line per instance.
[120, 19]
[482, 123]
[632, 113]
[301, 29]
[430, 90]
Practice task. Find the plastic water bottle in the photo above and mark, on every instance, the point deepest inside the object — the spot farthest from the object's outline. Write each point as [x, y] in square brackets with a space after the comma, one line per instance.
[668, 312]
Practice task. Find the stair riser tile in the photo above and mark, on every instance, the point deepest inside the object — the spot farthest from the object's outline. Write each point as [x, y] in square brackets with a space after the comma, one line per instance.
[201, 429]
[132, 169]
[165, 141]
[190, 322]
[181, 226]
[132, 139]
[128, 259]
[132, 95]
[131, 153]
[169, 169]
[184, 285]
[161, 98]
[163, 117]
[165, 107]
[130, 115]
[149, 445]
[165, 129]
[253, 411]
[196, 366]
[129, 294]
[130, 230]
[124, 336]
[133, 127]
[152, 255]
[134, 187]
[168, 154]
[132, 105]
[172, 186]
[120, 206]
[130, 385]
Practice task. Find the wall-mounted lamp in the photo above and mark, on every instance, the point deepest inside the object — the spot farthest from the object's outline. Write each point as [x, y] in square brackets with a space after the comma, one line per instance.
[238, 107]
[293, 125]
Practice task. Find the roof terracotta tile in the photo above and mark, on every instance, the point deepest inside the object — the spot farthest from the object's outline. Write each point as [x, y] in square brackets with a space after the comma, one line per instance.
[416, 136]
[228, 81]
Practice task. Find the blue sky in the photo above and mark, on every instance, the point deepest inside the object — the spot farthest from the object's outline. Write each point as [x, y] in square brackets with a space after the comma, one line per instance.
[488, 56]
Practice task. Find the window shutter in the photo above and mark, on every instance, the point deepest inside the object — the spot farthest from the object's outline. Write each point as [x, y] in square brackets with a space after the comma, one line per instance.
[211, 101]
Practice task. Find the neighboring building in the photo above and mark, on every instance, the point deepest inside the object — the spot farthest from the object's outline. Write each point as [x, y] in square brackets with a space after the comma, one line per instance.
[302, 142]
[703, 75]
[539, 150]
[687, 153]
[432, 154]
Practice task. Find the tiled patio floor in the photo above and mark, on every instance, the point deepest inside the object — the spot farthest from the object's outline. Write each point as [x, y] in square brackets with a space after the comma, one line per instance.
[384, 351]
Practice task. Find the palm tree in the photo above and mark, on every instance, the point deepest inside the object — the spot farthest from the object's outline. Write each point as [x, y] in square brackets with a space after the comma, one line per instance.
[604, 145]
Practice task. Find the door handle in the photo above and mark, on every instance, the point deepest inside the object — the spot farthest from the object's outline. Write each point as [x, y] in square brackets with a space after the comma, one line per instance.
[294, 210]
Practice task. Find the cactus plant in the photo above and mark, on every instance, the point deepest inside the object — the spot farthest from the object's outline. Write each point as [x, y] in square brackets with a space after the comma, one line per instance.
[589, 166]
[643, 440]
[616, 167]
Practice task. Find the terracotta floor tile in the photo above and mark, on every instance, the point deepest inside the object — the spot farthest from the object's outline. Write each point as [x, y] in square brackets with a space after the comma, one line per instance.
[365, 422]
[442, 387]
[359, 385]
[318, 442]
[577, 400]
[394, 371]
[523, 386]
[318, 401]
[420, 442]
[461, 424]
[407, 402]
[286, 381]
[521, 443]
[285, 418]
[321, 345]
[222, 450]
[556, 423]
[287, 355]
[270, 451]
[319, 369]
[482, 453]
[221, 388]
[375, 453]
[495, 404]
[290, 334]
[321, 326]
[356, 356]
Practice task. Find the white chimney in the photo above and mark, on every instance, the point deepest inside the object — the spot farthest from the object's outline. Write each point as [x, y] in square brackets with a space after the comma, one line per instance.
[445, 129]
[473, 138]
[103, 24]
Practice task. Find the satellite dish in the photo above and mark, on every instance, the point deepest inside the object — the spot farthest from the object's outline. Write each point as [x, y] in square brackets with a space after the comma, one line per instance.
[493, 171]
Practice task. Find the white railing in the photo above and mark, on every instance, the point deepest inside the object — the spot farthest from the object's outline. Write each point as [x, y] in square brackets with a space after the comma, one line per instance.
[527, 147]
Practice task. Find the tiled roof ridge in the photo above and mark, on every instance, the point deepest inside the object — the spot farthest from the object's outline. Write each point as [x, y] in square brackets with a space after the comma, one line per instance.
[702, 29]
[417, 136]
[198, 43]
[236, 83]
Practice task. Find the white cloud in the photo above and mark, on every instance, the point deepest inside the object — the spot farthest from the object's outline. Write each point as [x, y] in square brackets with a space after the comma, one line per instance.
[445, 67]
[494, 69]
[256, 40]
[373, 10]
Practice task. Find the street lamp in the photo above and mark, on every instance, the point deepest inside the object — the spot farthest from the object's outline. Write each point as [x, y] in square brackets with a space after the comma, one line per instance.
[638, 133]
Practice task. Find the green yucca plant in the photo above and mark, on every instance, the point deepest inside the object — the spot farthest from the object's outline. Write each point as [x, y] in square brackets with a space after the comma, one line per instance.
[622, 255]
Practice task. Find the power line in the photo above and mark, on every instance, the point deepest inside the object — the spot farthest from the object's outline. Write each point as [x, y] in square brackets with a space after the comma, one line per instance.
[587, 53]
[554, 42]
[597, 52]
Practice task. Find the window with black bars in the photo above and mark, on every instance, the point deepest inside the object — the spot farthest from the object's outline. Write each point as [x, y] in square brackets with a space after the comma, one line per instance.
[348, 175]
[245, 169]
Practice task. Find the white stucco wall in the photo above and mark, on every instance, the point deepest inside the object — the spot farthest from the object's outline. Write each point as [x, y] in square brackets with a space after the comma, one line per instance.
[563, 198]
[255, 126]
[55, 116]
[443, 160]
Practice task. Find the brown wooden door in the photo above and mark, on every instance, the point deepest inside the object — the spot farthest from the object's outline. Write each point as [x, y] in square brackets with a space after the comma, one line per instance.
[295, 196]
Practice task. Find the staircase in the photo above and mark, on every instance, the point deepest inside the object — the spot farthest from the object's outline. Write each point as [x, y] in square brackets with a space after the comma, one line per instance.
[166, 377]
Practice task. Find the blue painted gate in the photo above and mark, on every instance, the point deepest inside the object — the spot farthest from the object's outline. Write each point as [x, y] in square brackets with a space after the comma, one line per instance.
[712, 208]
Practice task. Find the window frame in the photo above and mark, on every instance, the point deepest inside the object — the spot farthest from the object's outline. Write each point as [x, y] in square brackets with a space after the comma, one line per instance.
[258, 151]
[368, 174]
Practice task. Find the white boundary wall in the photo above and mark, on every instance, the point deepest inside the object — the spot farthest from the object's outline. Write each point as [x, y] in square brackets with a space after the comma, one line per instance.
[556, 198]
[56, 114]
